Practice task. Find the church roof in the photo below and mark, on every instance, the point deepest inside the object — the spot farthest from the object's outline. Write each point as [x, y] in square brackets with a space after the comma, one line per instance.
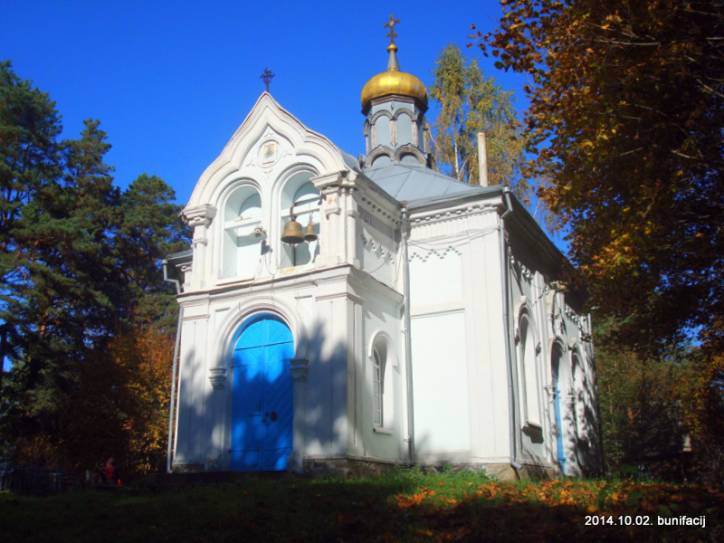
[413, 184]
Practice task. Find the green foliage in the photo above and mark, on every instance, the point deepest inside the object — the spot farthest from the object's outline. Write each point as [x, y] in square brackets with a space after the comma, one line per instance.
[642, 423]
[79, 264]
[471, 103]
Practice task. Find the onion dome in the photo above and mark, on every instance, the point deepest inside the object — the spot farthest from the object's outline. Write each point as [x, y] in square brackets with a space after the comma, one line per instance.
[393, 82]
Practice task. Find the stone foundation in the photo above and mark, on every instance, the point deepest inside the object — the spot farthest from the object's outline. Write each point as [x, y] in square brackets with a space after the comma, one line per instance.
[360, 467]
[347, 466]
[187, 468]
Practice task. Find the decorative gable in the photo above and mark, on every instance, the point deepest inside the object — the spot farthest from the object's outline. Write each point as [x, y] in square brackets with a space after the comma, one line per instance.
[269, 139]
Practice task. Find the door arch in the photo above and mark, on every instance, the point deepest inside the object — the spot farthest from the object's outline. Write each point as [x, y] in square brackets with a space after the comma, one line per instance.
[261, 387]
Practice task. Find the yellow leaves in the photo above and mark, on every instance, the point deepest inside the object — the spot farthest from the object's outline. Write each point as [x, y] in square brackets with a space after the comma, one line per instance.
[613, 18]
[405, 502]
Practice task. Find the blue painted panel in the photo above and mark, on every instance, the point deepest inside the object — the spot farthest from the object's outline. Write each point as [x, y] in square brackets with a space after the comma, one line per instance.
[278, 440]
[248, 429]
[277, 332]
[262, 413]
[254, 335]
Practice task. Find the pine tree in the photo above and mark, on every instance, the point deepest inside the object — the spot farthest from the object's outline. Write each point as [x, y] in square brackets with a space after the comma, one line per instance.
[79, 263]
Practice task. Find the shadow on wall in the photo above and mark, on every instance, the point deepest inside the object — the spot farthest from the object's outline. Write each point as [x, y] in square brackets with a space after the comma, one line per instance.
[257, 402]
[323, 423]
[584, 439]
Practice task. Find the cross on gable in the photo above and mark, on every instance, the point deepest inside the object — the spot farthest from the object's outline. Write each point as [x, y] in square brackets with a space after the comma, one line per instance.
[266, 76]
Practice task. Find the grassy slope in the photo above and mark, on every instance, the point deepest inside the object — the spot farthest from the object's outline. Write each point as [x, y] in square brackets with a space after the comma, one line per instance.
[405, 506]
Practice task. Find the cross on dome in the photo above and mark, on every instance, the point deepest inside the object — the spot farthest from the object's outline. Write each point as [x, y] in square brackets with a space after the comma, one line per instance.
[391, 22]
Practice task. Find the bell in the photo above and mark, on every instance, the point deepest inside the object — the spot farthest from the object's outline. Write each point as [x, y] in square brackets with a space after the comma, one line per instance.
[309, 233]
[292, 233]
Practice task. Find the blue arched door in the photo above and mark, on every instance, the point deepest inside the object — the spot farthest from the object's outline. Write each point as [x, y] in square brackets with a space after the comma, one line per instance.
[261, 412]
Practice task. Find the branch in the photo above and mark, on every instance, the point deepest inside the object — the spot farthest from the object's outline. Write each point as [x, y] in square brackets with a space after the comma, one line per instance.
[682, 155]
[709, 89]
[632, 151]
[636, 44]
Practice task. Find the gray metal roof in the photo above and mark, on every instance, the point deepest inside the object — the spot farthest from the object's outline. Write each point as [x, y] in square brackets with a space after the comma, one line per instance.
[412, 184]
[350, 160]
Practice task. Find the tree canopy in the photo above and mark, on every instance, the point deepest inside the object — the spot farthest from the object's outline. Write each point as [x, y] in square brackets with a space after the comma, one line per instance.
[471, 103]
[625, 122]
[79, 263]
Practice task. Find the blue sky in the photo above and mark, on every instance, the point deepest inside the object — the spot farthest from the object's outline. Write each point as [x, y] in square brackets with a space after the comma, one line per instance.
[171, 81]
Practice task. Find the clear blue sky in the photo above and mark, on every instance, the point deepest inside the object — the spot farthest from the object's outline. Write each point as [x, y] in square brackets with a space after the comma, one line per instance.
[171, 81]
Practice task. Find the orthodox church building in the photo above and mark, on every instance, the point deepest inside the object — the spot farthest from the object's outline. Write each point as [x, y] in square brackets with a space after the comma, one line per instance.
[339, 311]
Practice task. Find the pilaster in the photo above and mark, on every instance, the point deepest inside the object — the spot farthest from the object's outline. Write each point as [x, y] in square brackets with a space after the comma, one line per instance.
[199, 218]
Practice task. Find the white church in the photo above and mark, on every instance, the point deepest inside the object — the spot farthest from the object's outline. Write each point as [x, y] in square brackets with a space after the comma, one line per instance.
[340, 313]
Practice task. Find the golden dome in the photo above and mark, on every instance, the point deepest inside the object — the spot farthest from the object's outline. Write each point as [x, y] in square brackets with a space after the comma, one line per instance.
[393, 81]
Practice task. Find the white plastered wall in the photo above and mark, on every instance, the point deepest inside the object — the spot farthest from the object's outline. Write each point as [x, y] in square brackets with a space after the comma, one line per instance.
[460, 379]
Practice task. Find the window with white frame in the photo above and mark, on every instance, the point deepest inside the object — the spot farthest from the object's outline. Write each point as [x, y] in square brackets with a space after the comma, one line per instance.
[242, 235]
[300, 199]
[382, 385]
[528, 371]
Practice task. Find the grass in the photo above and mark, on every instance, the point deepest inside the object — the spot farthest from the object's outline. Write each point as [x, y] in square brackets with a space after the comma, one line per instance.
[406, 505]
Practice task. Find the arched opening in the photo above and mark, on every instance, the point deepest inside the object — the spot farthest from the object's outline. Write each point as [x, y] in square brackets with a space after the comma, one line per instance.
[241, 237]
[528, 371]
[382, 131]
[382, 384]
[556, 361]
[300, 192]
[262, 404]
[404, 129]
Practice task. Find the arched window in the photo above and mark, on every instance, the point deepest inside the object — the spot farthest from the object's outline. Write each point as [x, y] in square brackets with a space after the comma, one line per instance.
[382, 131]
[379, 387]
[382, 384]
[528, 374]
[241, 238]
[404, 129]
[300, 192]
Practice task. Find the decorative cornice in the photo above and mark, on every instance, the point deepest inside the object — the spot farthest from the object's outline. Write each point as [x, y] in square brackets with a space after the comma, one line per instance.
[425, 254]
[369, 218]
[201, 215]
[444, 215]
[521, 269]
[376, 248]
